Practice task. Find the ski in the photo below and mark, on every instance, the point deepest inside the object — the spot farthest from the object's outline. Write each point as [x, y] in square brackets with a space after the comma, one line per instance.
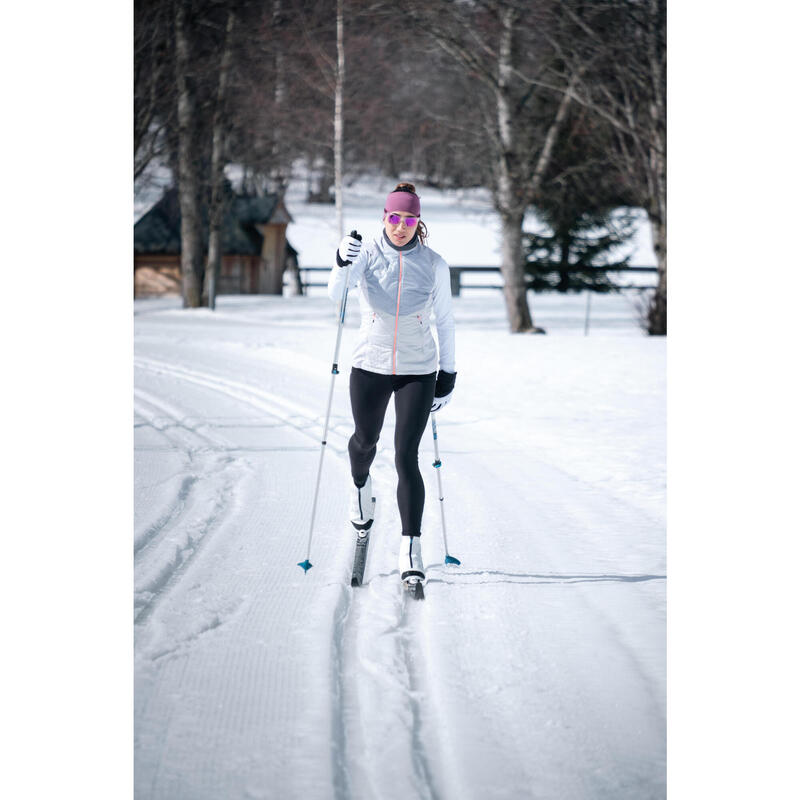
[362, 540]
[360, 558]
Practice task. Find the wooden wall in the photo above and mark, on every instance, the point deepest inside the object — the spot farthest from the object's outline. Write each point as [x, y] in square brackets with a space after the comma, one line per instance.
[156, 276]
[160, 275]
[273, 258]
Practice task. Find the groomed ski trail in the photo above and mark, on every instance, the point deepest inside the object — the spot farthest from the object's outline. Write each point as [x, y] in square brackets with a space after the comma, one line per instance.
[383, 665]
[536, 669]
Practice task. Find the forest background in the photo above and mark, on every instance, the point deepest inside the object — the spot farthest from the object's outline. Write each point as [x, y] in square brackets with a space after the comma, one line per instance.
[556, 105]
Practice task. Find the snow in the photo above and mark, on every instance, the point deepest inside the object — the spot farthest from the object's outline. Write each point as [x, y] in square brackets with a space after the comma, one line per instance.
[462, 223]
[535, 669]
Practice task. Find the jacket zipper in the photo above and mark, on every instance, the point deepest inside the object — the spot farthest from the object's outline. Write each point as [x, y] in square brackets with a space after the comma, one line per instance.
[397, 316]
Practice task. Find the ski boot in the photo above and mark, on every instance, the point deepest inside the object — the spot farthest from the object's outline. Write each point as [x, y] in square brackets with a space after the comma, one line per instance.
[362, 506]
[412, 571]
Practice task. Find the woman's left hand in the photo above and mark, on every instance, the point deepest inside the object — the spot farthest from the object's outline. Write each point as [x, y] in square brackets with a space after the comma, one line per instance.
[442, 394]
[440, 402]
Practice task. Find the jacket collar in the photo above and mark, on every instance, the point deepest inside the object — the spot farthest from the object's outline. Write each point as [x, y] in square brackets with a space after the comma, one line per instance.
[406, 247]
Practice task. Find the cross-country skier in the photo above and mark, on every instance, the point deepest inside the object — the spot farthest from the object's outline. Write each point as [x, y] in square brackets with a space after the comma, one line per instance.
[403, 284]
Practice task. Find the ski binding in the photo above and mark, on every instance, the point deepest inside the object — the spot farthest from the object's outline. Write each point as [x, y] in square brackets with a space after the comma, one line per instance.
[413, 584]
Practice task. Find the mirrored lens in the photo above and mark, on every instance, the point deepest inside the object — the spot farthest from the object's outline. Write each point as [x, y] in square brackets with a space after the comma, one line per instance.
[394, 219]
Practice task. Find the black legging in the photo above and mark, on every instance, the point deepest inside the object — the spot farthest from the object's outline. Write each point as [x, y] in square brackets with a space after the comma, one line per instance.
[413, 396]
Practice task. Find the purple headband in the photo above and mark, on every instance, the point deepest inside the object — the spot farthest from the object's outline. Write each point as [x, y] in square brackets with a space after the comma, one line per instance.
[402, 201]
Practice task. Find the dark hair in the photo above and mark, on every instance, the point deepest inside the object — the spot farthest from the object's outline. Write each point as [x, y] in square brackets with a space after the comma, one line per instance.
[422, 230]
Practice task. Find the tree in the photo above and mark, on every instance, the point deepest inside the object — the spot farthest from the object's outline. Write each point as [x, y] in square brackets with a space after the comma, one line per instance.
[153, 84]
[216, 209]
[338, 118]
[189, 58]
[463, 93]
[188, 160]
[317, 92]
[521, 121]
[567, 259]
[625, 41]
[585, 202]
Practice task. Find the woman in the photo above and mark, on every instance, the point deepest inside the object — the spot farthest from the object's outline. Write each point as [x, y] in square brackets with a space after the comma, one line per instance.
[403, 282]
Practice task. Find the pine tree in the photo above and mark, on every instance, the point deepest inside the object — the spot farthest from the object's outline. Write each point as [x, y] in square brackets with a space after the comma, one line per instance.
[580, 241]
[585, 205]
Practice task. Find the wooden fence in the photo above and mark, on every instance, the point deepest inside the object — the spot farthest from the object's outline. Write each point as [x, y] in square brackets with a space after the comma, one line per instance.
[457, 272]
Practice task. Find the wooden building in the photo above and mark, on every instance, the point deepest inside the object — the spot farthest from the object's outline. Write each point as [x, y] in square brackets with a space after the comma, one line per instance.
[254, 247]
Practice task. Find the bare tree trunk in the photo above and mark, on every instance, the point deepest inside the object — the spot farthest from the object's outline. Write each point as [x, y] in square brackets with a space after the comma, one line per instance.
[657, 317]
[508, 200]
[217, 205]
[188, 177]
[512, 268]
[657, 313]
[280, 178]
[337, 118]
[514, 289]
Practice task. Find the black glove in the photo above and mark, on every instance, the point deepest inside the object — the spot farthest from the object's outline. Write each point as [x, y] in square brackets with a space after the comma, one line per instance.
[442, 394]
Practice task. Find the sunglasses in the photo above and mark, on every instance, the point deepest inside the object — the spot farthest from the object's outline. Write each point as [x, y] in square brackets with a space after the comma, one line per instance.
[396, 219]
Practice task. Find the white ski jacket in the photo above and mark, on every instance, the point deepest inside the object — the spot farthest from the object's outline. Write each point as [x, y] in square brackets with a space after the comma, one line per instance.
[401, 288]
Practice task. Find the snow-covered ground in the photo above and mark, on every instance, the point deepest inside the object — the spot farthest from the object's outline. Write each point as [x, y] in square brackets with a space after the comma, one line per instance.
[536, 669]
[462, 223]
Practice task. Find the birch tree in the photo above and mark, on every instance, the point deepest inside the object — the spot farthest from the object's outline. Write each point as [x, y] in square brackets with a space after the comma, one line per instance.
[338, 119]
[522, 122]
[217, 206]
[624, 41]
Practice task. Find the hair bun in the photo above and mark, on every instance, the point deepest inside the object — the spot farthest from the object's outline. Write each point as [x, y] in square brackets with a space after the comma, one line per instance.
[405, 187]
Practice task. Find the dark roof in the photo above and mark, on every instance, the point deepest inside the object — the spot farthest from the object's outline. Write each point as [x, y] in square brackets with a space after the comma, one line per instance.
[159, 230]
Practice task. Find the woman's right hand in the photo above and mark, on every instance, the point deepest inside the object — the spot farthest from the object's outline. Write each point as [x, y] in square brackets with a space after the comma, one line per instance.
[349, 248]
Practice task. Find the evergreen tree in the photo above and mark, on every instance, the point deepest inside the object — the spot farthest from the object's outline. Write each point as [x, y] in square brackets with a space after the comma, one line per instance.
[580, 241]
[585, 204]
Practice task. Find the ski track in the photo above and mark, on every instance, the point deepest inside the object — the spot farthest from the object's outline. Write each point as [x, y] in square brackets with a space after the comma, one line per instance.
[198, 532]
[408, 713]
[180, 436]
[406, 624]
[169, 518]
[417, 688]
[156, 653]
[551, 519]
[289, 413]
[172, 422]
[167, 547]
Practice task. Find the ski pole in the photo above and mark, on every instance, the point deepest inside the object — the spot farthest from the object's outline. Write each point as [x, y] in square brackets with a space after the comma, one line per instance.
[306, 565]
[448, 559]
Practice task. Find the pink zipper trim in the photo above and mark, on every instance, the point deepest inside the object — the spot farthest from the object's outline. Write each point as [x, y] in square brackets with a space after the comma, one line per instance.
[397, 316]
